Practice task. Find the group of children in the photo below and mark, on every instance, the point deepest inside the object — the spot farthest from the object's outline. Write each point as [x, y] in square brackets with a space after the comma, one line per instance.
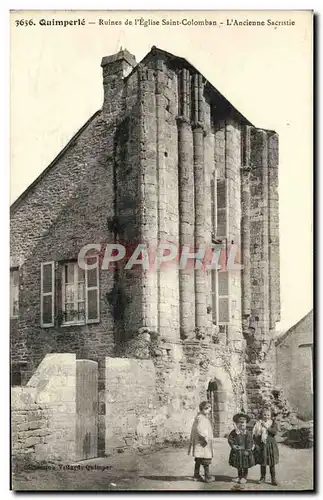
[248, 447]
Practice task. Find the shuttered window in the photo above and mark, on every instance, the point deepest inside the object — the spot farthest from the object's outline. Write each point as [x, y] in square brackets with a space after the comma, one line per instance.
[47, 276]
[77, 293]
[80, 293]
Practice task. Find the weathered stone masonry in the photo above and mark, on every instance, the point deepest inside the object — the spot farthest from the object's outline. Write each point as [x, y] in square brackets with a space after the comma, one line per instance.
[167, 159]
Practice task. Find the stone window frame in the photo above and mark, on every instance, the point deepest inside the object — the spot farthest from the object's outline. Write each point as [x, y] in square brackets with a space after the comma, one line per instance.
[14, 293]
[87, 289]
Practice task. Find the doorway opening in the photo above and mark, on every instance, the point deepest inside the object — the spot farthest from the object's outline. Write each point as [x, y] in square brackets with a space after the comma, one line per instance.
[215, 398]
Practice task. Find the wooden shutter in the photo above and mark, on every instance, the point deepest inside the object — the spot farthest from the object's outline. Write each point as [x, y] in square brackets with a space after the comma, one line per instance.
[223, 298]
[59, 292]
[47, 298]
[214, 278]
[92, 294]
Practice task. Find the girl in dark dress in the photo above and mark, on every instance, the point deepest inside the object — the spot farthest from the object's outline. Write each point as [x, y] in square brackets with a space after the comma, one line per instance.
[241, 443]
[266, 449]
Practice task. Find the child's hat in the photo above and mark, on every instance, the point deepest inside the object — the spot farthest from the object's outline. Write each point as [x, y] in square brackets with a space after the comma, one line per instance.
[239, 415]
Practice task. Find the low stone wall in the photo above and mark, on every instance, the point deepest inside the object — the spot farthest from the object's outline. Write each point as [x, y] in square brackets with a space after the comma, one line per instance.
[144, 401]
[29, 424]
[54, 418]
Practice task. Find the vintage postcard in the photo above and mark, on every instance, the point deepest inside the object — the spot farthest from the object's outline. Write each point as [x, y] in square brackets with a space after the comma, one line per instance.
[161, 205]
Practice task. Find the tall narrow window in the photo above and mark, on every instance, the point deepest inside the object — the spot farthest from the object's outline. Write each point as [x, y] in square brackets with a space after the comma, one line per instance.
[14, 293]
[220, 297]
[213, 206]
[47, 273]
[221, 212]
[223, 297]
[214, 278]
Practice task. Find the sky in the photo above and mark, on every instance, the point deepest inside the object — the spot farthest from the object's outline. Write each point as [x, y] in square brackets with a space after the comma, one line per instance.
[264, 71]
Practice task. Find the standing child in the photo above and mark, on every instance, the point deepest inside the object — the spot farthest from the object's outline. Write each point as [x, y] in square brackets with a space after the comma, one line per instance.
[201, 445]
[266, 449]
[241, 443]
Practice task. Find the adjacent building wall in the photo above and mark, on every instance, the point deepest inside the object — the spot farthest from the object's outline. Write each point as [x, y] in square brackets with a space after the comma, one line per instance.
[156, 400]
[294, 372]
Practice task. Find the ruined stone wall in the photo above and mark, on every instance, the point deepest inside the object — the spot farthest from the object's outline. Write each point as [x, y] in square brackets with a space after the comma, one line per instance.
[168, 192]
[273, 230]
[126, 296]
[159, 193]
[260, 243]
[179, 154]
[210, 184]
[155, 400]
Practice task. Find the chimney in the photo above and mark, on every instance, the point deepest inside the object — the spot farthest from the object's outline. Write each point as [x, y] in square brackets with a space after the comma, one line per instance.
[115, 68]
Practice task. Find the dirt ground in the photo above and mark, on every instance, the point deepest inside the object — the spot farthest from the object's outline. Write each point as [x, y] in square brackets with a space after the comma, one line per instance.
[167, 469]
